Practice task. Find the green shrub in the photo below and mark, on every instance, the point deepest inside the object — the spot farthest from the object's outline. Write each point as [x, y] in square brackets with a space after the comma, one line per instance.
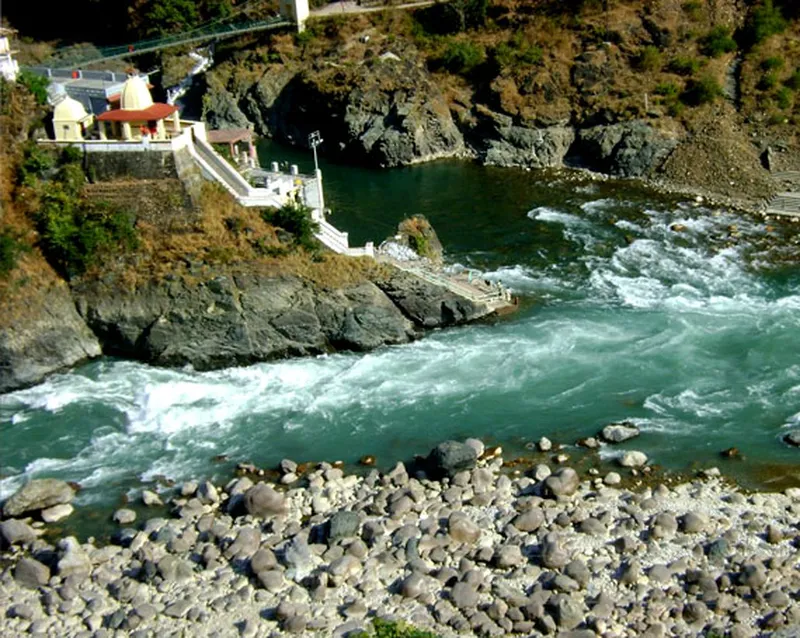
[675, 108]
[683, 65]
[717, 42]
[793, 82]
[517, 50]
[294, 219]
[36, 84]
[461, 57]
[36, 161]
[387, 629]
[693, 9]
[701, 91]
[772, 63]
[667, 90]
[764, 21]
[304, 37]
[783, 98]
[768, 81]
[649, 59]
[75, 234]
[11, 247]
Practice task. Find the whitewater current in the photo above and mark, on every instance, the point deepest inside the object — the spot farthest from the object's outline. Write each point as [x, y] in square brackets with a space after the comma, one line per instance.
[680, 318]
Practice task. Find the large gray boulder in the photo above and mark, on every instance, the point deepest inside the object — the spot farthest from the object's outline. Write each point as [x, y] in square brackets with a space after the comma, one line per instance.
[262, 501]
[388, 113]
[619, 432]
[343, 525]
[449, 458]
[30, 573]
[36, 495]
[562, 483]
[14, 532]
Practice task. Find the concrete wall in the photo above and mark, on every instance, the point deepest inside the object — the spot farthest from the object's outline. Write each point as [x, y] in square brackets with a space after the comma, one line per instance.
[131, 164]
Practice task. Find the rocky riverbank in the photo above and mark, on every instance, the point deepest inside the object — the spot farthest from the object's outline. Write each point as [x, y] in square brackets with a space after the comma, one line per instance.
[221, 316]
[457, 544]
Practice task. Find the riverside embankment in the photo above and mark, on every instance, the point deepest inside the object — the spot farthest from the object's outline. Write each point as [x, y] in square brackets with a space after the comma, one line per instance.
[454, 544]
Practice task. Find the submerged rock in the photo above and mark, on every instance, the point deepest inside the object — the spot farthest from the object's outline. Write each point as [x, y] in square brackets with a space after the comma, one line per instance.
[619, 432]
[792, 438]
[633, 459]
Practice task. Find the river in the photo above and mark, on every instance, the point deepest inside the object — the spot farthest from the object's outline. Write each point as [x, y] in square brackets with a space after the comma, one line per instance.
[635, 306]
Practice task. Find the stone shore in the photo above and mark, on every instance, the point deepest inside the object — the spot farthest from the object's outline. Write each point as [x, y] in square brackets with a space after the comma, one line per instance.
[461, 547]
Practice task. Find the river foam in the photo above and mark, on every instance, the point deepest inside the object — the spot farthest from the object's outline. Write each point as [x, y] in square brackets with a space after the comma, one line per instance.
[632, 311]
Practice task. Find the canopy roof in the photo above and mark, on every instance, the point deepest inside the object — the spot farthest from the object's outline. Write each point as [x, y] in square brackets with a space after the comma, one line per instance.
[157, 111]
[230, 136]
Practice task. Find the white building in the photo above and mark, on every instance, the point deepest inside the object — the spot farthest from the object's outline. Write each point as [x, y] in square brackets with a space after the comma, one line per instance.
[8, 65]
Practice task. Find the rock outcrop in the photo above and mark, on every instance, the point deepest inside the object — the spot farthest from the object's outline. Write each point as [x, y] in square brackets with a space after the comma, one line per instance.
[42, 333]
[386, 113]
[241, 318]
[628, 149]
[499, 141]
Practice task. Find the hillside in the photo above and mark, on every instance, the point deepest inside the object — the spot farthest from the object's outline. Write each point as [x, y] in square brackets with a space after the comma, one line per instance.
[614, 86]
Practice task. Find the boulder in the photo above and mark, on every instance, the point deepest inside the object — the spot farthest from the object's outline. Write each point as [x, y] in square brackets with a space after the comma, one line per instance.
[449, 458]
[564, 482]
[553, 555]
[43, 334]
[633, 459]
[245, 545]
[124, 516]
[619, 432]
[628, 149]
[529, 521]
[14, 532]
[298, 559]
[262, 501]
[56, 513]
[462, 529]
[508, 556]
[29, 572]
[464, 595]
[792, 438]
[343, 525]
[73, 559]
[36, 495]
[150, 498]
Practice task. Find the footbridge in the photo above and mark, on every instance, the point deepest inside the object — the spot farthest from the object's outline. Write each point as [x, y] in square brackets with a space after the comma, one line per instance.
[293, 14]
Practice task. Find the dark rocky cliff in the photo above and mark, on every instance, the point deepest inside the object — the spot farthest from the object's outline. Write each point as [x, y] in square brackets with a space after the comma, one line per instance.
[241, 317]
[42, 335]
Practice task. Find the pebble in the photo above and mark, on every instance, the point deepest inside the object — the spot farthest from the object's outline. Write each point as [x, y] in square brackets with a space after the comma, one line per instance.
[480, 553]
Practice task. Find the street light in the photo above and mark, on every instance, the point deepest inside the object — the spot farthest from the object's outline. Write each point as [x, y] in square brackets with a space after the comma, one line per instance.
[314, 140]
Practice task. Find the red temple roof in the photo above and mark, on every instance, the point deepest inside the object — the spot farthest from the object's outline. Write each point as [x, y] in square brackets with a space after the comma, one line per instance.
[156, 112]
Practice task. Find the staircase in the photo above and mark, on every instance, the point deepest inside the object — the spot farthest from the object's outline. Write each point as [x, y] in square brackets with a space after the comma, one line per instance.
[786, 203]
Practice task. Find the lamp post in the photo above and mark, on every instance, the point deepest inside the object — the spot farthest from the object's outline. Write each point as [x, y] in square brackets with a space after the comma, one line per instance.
[314, 140]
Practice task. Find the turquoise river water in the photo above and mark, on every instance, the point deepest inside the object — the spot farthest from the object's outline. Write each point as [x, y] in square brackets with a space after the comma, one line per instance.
[690, 333]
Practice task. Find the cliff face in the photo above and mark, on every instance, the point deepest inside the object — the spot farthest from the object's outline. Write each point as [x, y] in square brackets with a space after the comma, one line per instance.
[386, 113]
[617, 88]
[43, 335]
[243, 317]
